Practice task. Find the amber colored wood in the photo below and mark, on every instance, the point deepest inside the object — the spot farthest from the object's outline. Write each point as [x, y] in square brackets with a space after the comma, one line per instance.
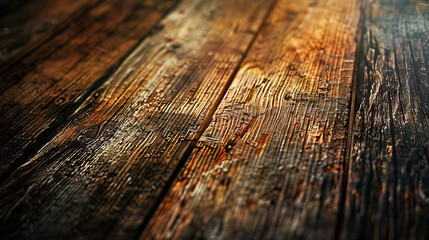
[102, 174]
[270, 163]
[388, 191]
[39, 91]
[25, 24]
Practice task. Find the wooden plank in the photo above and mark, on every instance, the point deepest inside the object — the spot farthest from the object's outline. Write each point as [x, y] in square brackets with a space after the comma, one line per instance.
[40, 91]
[388, 190]
[102, 175]
[270, 163]
[26, 23]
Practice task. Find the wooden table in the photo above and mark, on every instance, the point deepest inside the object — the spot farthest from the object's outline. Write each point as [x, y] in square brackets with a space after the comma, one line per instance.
[214, 119]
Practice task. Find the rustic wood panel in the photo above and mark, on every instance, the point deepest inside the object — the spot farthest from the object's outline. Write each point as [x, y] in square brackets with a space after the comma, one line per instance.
[27, 23]
[41, 90]
[270, 163]
[102, 174]
[388, 192]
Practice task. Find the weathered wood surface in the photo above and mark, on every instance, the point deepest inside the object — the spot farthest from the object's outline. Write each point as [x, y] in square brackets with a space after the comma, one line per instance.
[25, 24]
[230, 120]
[42, 89]
[270, 163]
[101, 175]
[388, 192]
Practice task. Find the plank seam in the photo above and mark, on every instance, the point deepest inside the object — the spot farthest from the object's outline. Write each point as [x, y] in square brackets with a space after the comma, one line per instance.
[350, 128]
[191, 144]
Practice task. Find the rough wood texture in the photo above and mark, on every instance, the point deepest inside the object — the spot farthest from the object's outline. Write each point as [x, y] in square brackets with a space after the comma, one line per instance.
[101, 176]
[229, 120]
[41, 90]
[269, 164]
[388, 192]
[27, 23]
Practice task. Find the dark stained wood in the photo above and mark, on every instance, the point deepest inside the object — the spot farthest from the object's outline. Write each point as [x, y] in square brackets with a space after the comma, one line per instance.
[270, 163]
[388, 192]
[102, 174]
[42, 89]
[25, 23]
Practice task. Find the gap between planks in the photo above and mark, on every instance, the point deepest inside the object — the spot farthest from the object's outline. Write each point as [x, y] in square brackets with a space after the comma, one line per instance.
[192, 144]
[352, 112]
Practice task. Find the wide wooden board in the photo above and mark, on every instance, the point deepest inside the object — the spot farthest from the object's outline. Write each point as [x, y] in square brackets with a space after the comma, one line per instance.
[388, 192]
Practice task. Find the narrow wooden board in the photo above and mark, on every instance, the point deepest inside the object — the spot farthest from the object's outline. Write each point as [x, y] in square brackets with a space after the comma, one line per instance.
[26, 23]
[41, 90]
[269, 165]
[388, 192]
[102, 175]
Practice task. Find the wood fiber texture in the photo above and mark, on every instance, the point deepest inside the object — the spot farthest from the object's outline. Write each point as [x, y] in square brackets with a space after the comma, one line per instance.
[269, 164]
[388, 192]
[42, 89]
[214, 119]
[102, 174]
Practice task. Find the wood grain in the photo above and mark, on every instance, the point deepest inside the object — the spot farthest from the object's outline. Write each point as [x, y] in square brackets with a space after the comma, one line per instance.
[39, 91]
[102, 174]
[388, 192]
[270, 163]
[24, 24]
